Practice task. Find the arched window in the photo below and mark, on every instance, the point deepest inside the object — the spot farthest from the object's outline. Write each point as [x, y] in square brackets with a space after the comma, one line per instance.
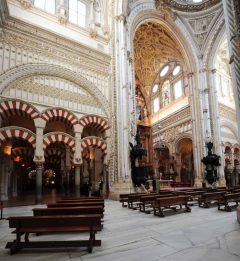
[177, 89]
[77, 12]
[47, 5]
[156, 104]
[166, 93]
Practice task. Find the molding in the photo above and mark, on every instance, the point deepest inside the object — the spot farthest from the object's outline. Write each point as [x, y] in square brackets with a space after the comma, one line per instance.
[23, 71]
[52, 44]
[187, 7]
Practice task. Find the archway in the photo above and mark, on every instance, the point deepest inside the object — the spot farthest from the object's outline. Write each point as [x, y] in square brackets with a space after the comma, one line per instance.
[93, 153]
[16, 161]
[185, 161]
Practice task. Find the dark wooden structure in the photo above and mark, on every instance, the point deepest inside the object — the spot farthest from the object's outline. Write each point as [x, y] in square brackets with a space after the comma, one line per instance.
[25, 225]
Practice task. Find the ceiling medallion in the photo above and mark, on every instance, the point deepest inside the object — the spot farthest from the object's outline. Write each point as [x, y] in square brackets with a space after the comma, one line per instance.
[187, 5]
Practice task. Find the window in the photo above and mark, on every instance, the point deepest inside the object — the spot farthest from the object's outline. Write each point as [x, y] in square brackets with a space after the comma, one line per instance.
[156, 105]
[77, 12]
[47, 5]
[166, 93]
[155, 88]
[176, 70]
[164, 71]
[177, 89]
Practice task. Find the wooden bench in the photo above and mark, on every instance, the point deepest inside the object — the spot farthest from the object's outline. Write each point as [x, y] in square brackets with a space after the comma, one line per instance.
[82, 197]
[159, 204]
[1, 207]
[75, 204]
[146, 202]
[68, 211]
[25, 225]
[134, 200]
[226, 199]
[207, 198]
[80, 200]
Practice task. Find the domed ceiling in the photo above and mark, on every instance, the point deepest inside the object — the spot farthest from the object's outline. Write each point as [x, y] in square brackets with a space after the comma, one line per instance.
[153, 48]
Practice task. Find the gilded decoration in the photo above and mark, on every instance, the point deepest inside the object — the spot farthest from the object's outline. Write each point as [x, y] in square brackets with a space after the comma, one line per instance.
[187, 5]
[153, 47]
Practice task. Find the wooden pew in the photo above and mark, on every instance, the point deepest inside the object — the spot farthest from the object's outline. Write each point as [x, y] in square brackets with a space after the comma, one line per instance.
[1, 207]
[146, 201]
[54, 224]
[82, 197]
[207, 198]
[134, 199]
[159, 204]
[226, 199]
[81, 201]
[68, 211]
[75, 204]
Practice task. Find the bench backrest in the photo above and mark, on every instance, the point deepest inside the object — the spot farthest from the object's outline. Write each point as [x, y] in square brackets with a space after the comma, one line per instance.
[213, 195]
[167, 201]
[68, 211]
[75, 204]
[152, 197]
[232, 196]
[83, 202]
[54, 221]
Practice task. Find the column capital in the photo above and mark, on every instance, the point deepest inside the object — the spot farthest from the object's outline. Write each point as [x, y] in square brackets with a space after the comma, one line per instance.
[39, 164]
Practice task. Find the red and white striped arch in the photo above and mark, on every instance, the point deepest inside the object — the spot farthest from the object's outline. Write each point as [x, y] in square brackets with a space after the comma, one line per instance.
[50, 138]
[16, 107]
[96, 122]
[60, 114]
[94, 141]
[14, 132]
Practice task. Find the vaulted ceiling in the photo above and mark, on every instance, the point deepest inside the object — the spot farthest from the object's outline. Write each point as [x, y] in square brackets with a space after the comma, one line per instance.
[154, 46]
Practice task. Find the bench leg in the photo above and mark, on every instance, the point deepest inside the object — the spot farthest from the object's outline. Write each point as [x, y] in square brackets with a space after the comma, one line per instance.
[26, 237]
[91, 241]
[161, 214]
[15, 245]
[188, 209]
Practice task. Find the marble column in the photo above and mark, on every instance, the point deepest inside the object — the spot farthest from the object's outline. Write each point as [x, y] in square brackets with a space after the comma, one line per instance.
[77, 157]
[39, 157]
[77, 180]
[232, 26]
[39, 175]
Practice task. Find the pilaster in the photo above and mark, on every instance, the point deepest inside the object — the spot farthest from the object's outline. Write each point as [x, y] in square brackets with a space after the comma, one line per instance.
[62, 10]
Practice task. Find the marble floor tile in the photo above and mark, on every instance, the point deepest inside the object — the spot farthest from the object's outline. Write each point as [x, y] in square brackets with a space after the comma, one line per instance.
[129, 235]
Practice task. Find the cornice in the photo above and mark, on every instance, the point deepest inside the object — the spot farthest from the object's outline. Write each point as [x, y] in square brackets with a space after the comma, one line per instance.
[79, 58]
[178, 5]
[34, 33]
[183, 114]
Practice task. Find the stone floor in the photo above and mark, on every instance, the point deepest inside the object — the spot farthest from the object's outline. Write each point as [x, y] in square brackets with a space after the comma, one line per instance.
[128, 235]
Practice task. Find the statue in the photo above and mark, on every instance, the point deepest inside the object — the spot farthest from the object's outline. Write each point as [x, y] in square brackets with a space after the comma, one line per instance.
[136, 152]
[211, 161]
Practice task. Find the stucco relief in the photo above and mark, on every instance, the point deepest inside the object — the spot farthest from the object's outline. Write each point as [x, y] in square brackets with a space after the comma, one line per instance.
[54, 91]
[154, 46]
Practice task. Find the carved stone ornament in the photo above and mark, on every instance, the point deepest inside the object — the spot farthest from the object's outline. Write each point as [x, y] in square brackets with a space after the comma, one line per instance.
[187, 5]
[26, 3]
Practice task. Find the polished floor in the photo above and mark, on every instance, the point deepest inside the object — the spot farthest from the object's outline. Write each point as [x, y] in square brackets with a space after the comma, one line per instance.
[128, 235]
